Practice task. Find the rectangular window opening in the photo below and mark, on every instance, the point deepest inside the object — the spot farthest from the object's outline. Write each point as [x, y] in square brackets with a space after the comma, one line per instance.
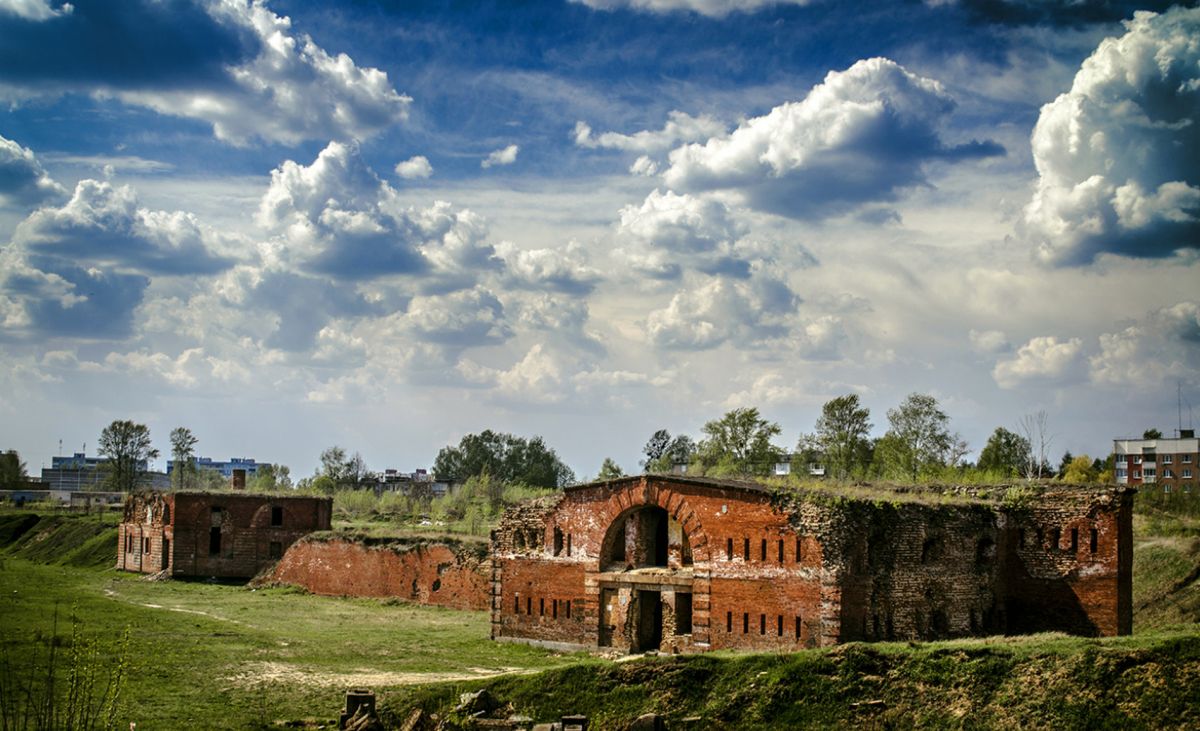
[276, 516]
[276, 549]
[1074, 540]
[746, 549]
[1092, 540]
[516, 604]
[568, 603]
[762, 624]
[554, 609]
[729, 548]
[541, 607]
[214, 541]
[764, 550]
[799, 551]
[683, 613]
[780, 550]
[729, 622]
[797, 627]
[779, 626]
[529, 605]
[745, 623]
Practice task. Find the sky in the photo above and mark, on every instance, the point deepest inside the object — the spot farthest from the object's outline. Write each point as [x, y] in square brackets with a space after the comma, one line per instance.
[289, 225]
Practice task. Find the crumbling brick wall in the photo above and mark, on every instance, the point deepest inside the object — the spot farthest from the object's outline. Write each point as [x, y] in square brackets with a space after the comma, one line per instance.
[763, 569]
[216, 534]
[448, 574]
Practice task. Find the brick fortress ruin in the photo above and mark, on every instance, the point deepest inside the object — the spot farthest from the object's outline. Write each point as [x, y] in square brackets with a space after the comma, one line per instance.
[214, 534]
[689, 564]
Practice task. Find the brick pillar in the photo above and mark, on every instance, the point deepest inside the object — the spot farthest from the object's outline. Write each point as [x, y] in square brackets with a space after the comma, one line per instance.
[591, 607]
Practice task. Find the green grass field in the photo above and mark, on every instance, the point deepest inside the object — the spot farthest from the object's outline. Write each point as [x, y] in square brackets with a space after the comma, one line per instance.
[224, 656]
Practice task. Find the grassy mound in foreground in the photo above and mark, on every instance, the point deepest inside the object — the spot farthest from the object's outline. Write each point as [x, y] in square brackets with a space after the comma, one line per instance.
[65, 540]
[1048, 681]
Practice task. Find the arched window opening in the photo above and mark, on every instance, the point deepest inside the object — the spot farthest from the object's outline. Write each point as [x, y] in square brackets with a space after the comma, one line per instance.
[637, 540]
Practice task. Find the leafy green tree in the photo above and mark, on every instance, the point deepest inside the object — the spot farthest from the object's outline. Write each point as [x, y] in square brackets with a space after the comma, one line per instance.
[270, 478]
[1064, 463]
[183, 450]
[12, 471]
[610, 470]
[664, 452]
[129, 450]
[842, 435]
[504, 457]
[739, 443]
[1080, 471]
[656, 445]
[918, 439]
[1152, 434]
[1005, 452]
[344, 471]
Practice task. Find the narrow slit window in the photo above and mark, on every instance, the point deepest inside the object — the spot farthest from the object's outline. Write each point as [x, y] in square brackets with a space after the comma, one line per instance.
[763, 550]
[568, 603]
[1074, 540]
[554, 609]
[746, 549]
[1093, 540]
[568, 544]
[780, 550]
[529, 605]
[729, 548]
[799, 550]
[516, 604]
[745, 623]
[797, 626]
[541, 607]
[779, 626]
[762, 624]
[729, 621]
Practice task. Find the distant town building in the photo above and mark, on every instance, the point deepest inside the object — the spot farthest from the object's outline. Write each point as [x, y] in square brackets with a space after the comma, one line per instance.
[80, 472]
[1171, 463]
[233, 466]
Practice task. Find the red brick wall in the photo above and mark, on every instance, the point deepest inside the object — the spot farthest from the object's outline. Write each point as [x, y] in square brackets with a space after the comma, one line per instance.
[247, 535]
[1051, 586]
[425, 573]
[848, 569]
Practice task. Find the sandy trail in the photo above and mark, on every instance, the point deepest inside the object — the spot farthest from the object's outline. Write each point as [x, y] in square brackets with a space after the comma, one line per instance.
[257, 674]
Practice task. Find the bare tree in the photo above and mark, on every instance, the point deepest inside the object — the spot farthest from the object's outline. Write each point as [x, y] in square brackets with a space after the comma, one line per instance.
[1035, 429]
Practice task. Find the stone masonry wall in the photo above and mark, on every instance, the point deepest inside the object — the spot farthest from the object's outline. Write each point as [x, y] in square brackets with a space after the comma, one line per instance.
[455, 576]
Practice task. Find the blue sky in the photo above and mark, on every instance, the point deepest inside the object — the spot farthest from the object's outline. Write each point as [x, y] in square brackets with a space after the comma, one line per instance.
[288, 225]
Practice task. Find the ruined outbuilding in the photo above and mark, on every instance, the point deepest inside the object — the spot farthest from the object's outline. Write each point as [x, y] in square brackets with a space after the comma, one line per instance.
[214, 534]
[674, 563]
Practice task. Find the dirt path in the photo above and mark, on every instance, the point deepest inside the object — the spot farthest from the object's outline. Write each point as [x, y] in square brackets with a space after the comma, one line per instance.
[258, 674]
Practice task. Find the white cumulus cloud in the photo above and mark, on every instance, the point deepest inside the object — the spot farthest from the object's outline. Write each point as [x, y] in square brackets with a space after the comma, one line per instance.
[718, 310]
[414, 167]
[35, 9]
[1162, 348]
[680, 127]
[1043, 360]
[293, 90]
[861, 136]
[23, 180]
[503, 156]
[1117, 154]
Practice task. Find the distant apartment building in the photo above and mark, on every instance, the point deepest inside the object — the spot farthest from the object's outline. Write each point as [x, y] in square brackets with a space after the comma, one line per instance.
[236, 469]
[1169, 463]
[81, 472]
